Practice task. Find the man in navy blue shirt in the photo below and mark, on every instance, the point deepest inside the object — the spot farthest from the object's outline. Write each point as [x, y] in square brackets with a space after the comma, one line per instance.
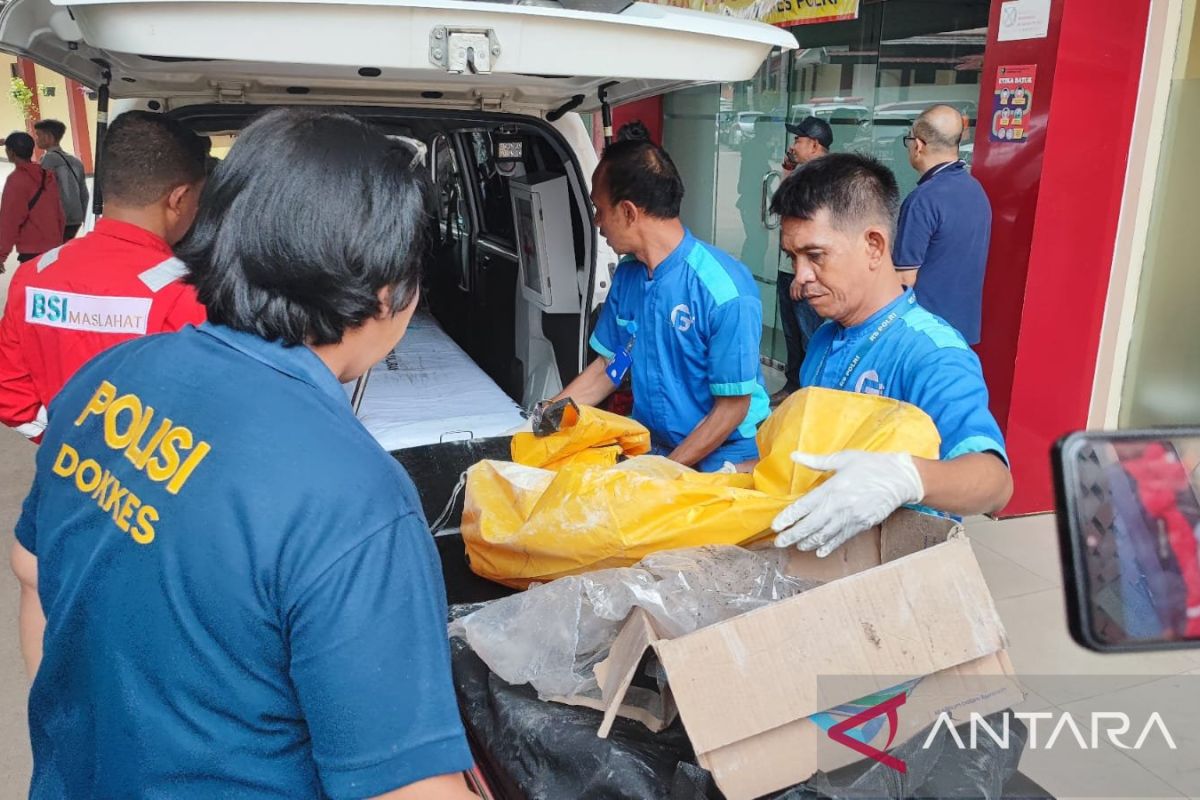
[241, 594]
[685, 317]
[945, 224]
[838, 217]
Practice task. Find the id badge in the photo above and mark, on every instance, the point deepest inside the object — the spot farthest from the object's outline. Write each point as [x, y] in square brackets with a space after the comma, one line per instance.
[618, 368]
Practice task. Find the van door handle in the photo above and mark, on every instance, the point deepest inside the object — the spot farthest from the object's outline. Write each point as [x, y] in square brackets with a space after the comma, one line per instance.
[765, 199]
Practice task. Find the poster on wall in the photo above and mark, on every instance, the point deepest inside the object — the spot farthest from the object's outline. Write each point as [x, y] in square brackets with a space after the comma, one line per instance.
[1012, 103]
[784, 13]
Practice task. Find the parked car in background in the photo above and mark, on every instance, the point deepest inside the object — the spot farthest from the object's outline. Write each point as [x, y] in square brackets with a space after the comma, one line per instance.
[740, 128]
[891, 122]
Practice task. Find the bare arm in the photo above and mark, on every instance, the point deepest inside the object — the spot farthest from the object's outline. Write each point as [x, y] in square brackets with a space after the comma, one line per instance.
[713, 431]
[976, 483]
[908, 277]
[31, 622]
[442, 787]
[591, 387]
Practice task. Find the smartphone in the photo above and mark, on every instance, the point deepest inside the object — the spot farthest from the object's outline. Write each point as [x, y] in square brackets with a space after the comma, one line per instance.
[1128, 506]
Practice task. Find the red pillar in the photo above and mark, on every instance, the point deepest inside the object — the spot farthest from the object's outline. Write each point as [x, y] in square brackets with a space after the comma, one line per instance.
[28, 73]
[81, 135]
[648, 110]
[1056, 200]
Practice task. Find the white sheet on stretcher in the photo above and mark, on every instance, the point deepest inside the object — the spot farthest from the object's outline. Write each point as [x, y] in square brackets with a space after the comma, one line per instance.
[428, 390]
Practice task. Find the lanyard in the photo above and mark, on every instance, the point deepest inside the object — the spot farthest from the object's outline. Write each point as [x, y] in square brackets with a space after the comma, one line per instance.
[868, 342]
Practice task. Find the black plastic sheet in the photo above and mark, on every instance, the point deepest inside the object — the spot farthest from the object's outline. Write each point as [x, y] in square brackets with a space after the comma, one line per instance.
[538, 750]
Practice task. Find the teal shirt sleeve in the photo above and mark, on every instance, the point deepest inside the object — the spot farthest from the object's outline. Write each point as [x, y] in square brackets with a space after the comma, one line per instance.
[370, 661]
[611, 333]
[948, 386]
[733, 347]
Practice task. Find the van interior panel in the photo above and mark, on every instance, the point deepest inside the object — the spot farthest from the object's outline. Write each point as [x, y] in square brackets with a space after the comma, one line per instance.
[484, 346]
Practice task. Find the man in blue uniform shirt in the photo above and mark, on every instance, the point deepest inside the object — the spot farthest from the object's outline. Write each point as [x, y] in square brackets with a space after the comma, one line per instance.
[682, 317]
[945, 225]
[241, 594]
[838, 217]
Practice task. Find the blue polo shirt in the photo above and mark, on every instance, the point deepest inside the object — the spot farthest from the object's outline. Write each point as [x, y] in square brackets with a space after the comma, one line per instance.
[242, 596]
[945, 227]
[906, 353]
[695, 325]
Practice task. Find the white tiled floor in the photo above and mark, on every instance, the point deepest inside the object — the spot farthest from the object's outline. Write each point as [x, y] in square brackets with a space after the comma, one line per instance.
[1021, 563]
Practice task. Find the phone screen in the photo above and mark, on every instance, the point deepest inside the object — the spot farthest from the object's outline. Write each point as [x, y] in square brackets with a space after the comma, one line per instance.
[1131, 526]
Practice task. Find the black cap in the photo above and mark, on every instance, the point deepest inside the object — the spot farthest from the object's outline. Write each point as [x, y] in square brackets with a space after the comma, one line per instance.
[813, 128]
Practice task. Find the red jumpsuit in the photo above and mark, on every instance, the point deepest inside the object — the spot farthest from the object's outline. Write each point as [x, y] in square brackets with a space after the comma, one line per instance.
[115, 284]
[1160, 479]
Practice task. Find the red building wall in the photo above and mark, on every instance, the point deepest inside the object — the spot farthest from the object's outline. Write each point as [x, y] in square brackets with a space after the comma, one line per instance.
[1056, 200]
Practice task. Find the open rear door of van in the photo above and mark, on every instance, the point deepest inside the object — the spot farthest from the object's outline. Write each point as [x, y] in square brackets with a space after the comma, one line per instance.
[435, 53]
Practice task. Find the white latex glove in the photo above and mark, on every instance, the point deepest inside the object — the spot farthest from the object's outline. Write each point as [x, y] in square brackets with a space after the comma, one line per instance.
[866, 489]
[728, 468]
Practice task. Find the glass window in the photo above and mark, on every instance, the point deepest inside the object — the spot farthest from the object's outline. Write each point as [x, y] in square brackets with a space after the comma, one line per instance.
[868, 78]
[453, 212]
[495, 207]
[1162, 378]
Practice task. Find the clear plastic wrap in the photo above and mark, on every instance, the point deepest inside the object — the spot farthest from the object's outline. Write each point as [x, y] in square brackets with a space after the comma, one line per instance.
[553, 635]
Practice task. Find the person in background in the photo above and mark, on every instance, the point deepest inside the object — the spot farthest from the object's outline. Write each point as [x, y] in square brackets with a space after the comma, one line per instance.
[812, 138]
[838, 216]
[945, 224]
[119, 282]
[682, 318]
[31, 214]
[241, 595]
[72, 181]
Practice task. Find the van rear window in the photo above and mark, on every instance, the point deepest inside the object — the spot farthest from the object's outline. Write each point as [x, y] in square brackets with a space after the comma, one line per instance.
[495, 204]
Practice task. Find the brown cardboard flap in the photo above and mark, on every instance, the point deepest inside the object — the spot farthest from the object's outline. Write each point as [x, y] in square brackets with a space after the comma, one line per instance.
[858, 554]
[906, 532]
[917, 615]
[792, 753]
[615, 673]
[901, 534]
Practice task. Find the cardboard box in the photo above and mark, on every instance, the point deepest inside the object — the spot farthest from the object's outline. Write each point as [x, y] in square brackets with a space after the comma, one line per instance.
[906, 600]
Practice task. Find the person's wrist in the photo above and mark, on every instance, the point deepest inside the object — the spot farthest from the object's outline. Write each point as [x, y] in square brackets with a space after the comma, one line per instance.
[920, 474]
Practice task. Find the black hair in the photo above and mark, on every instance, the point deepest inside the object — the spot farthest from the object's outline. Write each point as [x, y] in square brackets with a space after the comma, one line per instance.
[145, 156]
[51, 126]
[21, 145]
[310, 215]
[635, 131]
[641, 172]
[856, 190]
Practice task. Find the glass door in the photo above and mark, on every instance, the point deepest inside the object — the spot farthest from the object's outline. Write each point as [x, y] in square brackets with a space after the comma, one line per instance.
[931, 53]
[751, 142]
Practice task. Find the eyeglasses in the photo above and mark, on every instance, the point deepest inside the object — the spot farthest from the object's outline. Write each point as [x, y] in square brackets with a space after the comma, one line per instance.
[909, 139]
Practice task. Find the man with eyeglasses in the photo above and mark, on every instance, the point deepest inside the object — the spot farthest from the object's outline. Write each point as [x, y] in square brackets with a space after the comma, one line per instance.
[945, 224]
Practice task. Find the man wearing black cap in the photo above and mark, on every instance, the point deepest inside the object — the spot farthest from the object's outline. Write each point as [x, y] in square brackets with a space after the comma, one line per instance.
[813, 138]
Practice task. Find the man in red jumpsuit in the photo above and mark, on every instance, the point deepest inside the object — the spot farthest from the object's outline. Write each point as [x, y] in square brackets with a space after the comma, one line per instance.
[31, 214]
[119, 282]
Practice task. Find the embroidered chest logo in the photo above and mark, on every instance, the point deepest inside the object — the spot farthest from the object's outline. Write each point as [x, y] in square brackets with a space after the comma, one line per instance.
[869, 383]
[681, 318]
